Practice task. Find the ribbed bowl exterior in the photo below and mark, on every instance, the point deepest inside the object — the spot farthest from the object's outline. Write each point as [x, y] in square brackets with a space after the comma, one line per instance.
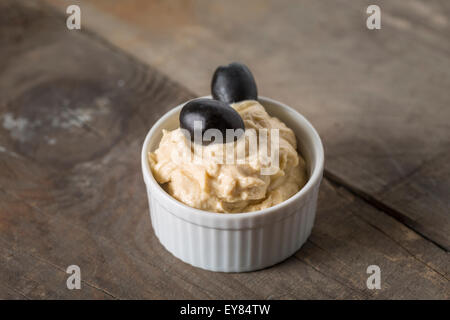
[244, 241]
[239, 249]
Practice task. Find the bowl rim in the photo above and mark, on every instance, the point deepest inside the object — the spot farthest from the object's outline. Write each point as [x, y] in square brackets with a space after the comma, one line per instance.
[315, 176]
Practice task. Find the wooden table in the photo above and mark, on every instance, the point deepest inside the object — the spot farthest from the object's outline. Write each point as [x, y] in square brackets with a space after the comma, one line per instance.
[75, 107]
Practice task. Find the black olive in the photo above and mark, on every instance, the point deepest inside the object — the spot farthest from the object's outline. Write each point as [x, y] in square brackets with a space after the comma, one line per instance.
[212, 114]
[233, 83]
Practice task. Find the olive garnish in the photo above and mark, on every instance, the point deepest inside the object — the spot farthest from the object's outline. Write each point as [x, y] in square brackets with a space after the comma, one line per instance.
[211, 114]
[233, 83]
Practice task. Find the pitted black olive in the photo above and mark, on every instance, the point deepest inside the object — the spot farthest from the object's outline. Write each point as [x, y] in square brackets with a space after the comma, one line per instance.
[233, 83]
[210, 114]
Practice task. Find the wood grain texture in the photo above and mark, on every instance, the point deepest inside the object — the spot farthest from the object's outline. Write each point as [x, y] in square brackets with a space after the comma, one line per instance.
[74, 111]
[378, 98]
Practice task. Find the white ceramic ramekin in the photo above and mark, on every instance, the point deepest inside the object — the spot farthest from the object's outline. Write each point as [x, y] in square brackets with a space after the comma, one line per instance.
[240, 241]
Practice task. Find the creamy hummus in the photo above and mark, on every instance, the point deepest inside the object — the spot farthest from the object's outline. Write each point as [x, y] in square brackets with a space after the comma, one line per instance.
[210, 183]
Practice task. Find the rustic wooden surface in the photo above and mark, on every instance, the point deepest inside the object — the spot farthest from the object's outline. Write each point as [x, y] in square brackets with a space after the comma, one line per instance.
[379, 98]
[74, 110]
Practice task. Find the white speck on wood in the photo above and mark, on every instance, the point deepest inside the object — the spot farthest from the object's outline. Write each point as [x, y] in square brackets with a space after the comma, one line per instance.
[16, 126]
[11, 153]
[70, 118]
[50, 140]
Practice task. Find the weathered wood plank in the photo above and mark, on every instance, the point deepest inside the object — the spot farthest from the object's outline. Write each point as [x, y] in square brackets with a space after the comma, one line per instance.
[30, 276]
[71, 190]
[379, 98]
[349, 236]
[422, 195]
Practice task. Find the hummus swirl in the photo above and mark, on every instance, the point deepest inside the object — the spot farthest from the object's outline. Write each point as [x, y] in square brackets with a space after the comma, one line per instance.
[209, 183]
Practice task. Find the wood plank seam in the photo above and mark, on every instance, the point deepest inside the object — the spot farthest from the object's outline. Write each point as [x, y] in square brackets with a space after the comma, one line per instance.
[401, 180]
[403, 247]
[366, 296]
[337, 258]
[58, 268]
[381, 206]
[64, 271]
[36, 208]
[17, 291]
